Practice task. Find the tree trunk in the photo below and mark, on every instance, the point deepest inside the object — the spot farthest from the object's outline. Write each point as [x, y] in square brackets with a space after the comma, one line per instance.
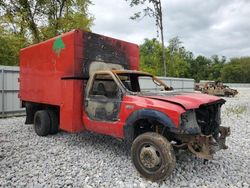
[163, 53]
[30, 20]
[162, 41]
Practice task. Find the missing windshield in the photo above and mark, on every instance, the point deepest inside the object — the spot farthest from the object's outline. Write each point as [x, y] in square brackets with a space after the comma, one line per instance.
[136, 82]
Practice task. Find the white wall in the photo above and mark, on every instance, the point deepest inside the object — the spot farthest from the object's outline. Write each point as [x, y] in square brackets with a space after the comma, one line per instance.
[9, 101]
[238, 85]
[182, 84]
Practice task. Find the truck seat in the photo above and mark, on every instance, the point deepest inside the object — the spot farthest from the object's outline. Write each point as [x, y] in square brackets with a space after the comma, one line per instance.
[101, 89]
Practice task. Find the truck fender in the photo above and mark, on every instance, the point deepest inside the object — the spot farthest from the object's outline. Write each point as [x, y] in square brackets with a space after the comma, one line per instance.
[151, 114]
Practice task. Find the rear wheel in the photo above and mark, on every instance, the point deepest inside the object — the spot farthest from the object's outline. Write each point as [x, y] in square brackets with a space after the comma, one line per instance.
[153, 156]
[42, 123]
[54, 121]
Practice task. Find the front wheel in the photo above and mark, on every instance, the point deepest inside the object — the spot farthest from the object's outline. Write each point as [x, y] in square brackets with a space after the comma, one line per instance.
[153, 156]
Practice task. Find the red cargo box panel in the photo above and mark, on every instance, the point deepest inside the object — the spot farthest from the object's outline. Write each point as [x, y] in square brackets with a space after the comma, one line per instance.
[42, 66]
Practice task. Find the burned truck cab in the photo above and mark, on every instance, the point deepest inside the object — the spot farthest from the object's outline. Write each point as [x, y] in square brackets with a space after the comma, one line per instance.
[198, 128]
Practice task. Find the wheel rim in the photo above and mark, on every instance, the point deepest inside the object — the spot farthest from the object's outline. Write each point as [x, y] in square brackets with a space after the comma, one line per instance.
[150, 157]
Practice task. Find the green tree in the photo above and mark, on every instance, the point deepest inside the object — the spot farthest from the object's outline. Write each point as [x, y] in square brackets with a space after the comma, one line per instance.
[237, 70]
[216, 67]
[199, 68]
[65, 15]
[177, 65]
[41, 19]
[152, 9]
[151, 57]
[177, 58]
[10, 45]
[231, 73]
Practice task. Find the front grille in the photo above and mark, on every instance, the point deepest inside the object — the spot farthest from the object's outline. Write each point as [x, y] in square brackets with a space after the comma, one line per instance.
[208, 118]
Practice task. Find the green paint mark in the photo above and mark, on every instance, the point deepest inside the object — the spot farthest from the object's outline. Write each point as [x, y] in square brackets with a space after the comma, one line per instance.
[58, 46]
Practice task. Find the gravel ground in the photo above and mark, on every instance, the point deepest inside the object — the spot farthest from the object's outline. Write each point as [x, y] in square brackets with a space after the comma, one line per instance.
[91, 160]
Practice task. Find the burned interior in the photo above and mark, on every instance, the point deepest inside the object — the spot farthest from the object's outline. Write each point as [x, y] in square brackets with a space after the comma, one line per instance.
[103, 99]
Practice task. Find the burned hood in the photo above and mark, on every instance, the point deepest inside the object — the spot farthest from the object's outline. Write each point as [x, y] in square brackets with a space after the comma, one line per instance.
[188, 100]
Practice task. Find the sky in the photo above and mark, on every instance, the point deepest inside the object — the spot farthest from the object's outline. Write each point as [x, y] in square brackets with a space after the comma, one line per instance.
[206, 28]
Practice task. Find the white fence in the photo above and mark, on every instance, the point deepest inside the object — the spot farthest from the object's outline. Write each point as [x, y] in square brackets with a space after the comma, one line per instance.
[9, 87]
[9, 101]
[232, 85]
[182, 84]
[238, 85]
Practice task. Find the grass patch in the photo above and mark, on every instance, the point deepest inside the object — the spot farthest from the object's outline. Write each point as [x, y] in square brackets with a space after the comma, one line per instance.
[237, 110]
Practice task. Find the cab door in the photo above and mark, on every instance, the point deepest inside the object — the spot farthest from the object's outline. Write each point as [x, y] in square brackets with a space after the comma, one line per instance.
[103, 98]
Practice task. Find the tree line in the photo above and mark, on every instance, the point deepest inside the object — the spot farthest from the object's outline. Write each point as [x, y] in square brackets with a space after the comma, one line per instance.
[182, 63]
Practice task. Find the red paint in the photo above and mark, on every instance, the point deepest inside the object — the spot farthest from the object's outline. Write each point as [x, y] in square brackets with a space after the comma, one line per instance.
[189, 100]
[41, 70]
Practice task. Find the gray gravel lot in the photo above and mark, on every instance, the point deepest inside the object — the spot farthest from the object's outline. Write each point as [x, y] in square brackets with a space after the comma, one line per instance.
[91, 160]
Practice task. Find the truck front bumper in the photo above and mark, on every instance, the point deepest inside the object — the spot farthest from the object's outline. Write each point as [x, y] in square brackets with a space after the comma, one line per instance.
[204, 146]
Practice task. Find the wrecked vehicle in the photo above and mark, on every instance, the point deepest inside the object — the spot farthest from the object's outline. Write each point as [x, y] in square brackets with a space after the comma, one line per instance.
[83, 81]
[215, 88]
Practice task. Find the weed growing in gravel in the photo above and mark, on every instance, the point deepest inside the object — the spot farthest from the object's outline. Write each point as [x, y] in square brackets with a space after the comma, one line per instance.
[236, 110]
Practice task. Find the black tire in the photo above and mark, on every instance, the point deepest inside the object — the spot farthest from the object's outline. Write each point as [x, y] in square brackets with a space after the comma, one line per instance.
[42, 123]
[54, 122]
[155, 150]
[31, 109]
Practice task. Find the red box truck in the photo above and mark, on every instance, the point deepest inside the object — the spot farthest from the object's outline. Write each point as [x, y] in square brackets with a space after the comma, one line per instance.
[84, 81]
